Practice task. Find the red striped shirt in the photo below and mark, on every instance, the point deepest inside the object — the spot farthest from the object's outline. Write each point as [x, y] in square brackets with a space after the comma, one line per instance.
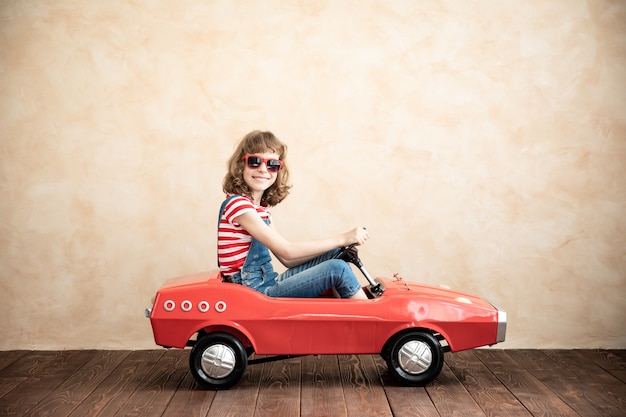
[233, 241]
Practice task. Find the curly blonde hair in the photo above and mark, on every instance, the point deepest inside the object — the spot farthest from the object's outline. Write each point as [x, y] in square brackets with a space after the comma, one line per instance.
[257, 142]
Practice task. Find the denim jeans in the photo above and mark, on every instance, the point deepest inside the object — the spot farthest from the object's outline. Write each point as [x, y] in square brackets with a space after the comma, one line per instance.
[307, 280]
[315, 277]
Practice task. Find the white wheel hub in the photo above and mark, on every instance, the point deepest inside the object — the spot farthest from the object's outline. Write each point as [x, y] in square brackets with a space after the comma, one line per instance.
[415, 357]
[218, 361]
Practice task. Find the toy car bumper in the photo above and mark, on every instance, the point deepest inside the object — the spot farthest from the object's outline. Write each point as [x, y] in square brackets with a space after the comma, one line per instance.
[501, 334]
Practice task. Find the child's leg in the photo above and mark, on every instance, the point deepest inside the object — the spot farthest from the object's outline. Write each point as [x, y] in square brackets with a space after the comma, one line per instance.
[311, 282]
[313, 262]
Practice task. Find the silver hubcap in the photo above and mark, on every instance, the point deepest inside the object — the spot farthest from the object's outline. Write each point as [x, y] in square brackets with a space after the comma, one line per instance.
[218, 361]
[415, 357]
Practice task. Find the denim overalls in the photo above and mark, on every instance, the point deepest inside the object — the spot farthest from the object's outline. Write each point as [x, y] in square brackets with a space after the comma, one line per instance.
[257, 272]
[307, 280]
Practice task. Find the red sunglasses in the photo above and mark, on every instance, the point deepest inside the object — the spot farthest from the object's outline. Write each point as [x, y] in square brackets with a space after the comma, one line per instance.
[271, 164]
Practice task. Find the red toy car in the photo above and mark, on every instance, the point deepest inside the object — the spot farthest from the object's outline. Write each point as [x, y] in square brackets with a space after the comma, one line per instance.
[409, 325]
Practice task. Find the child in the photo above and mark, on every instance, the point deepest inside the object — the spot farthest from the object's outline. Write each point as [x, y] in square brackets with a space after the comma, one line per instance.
[257, 179]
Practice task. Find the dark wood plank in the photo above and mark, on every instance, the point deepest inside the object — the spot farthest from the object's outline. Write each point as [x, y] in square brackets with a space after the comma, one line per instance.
[154, 392]
[279, 393]
[613, 360]
[10, 356]
[322, 393]
[528, 390]
[619, 374]
[18, 368]
[450, 396]
[580, 365]
[67, 396]
[493, 398]
[404, 401]
[620, 353]
[362, 387]
[8, 384]
[584, 400]
[189, 399]
[111, 395]
[607, 359]
[45, 371]
[240, 400]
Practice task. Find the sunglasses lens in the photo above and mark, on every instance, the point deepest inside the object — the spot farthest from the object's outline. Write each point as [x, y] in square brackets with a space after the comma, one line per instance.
[254, 161]
[273, 165]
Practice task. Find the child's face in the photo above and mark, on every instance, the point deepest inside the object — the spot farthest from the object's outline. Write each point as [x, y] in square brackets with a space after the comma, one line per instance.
[260, 178]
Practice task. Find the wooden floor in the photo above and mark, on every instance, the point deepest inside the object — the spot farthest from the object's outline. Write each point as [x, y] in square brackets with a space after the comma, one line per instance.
[484, 382]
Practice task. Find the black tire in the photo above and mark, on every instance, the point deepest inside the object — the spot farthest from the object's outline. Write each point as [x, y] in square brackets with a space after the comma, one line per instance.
[415, 358]
[218, 361]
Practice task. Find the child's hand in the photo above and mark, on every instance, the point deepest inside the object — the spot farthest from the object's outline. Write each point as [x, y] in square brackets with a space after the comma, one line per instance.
[358, 235]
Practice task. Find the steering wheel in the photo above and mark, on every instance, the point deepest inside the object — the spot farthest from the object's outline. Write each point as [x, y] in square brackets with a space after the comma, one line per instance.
[351, 254]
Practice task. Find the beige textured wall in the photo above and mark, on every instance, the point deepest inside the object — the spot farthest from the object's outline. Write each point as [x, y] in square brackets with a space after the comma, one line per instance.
[483, 144]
